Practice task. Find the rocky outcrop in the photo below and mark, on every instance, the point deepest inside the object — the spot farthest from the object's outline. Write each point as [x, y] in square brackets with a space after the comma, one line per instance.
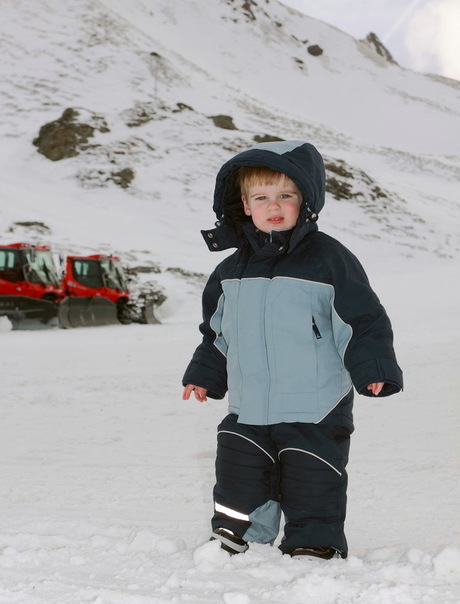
[379, 47]
[65, 136]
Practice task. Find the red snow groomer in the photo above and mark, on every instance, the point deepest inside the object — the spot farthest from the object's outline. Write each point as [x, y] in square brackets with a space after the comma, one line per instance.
[30, 287]
[92, 291]
[96, 292]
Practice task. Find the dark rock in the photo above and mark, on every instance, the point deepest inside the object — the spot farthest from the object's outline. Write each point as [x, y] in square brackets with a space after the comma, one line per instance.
[267, 138]
[339, 189]
[315, 50]
[92, 179]
[299, 62]
[32, 225]
[182, 107]
[338, 169]
[248, 10]
[379, 47]
[151, 268]
[336, 183]
[140, 114]
[63, 137]
[200, 277]
[123, 177]
[223, 121]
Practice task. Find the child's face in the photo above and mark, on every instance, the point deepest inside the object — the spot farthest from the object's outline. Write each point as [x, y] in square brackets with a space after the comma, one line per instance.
[273, 207]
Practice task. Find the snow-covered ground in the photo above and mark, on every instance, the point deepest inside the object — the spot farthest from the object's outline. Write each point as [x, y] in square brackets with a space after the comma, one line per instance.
[106, 474]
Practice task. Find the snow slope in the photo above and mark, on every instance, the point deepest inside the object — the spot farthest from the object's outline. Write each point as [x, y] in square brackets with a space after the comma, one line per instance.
[158, 65]
[106, 474]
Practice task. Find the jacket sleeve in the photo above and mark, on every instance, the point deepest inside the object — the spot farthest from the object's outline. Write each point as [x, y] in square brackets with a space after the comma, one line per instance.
[208, 367]
[369, 355]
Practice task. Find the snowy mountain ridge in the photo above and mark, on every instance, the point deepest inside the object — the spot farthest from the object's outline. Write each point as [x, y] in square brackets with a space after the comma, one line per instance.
[182, 89]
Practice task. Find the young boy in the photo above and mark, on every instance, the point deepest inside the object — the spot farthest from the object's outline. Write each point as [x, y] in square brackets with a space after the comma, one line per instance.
[290, 325]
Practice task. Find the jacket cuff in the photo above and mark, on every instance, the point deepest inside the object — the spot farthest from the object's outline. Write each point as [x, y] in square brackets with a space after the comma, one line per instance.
[377, 370]
[204, 377]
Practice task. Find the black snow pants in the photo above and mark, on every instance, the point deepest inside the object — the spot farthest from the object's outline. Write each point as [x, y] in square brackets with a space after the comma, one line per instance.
[294, 468]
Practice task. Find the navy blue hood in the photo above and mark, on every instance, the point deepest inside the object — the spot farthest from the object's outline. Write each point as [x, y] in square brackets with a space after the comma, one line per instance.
[300, 161]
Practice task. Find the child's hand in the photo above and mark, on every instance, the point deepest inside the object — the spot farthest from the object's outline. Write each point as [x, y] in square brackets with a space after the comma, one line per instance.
[376, 388]
[200, 393]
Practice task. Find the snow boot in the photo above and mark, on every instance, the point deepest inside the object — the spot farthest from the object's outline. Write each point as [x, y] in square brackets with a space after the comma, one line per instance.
[326, 553]
[230, 542]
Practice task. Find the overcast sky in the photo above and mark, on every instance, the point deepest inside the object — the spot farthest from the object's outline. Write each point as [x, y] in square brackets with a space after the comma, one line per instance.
[420, 34]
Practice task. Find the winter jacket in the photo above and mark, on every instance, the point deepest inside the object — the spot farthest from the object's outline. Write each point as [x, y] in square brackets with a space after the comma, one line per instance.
[290, 322]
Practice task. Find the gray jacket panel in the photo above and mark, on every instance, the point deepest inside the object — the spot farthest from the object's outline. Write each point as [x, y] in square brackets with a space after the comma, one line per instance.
[301, 378]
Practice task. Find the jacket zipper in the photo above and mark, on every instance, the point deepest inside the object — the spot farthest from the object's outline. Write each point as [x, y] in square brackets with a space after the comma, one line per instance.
[316, 331]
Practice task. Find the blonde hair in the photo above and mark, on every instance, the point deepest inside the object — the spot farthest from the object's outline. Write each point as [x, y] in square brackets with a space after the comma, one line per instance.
[249, 176]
